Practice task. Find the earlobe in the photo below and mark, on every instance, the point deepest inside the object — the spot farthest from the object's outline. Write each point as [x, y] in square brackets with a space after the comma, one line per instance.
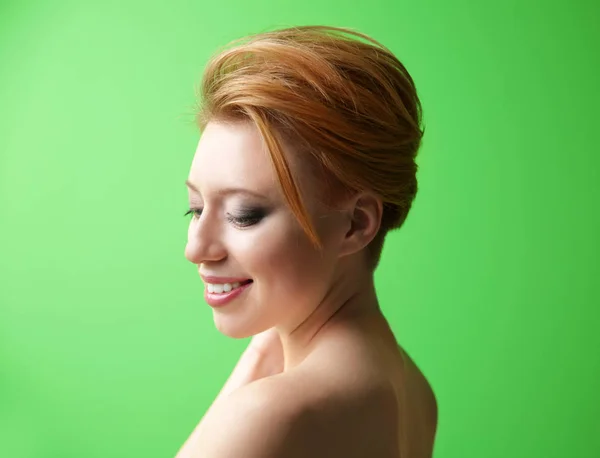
[365, 220]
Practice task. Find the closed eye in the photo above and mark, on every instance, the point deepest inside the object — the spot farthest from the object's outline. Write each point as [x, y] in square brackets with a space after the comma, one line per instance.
[247, 218]
[244, 219]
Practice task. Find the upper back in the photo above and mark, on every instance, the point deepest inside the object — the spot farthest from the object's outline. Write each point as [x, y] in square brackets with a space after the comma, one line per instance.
[357, 394]
[367, 393]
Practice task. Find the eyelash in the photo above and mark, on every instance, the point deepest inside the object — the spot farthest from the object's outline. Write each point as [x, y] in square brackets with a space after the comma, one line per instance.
[249, 218]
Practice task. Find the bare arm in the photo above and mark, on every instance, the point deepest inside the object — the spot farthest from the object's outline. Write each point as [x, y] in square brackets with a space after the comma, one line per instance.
[263, 357]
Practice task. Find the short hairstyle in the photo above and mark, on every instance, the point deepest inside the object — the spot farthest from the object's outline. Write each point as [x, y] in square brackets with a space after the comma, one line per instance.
[339, 97]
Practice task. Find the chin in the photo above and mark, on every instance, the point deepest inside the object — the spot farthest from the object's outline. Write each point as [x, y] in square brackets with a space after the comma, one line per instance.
[234, 329]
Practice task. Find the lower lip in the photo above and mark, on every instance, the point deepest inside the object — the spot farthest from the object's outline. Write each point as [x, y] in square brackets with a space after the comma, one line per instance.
[220, 299]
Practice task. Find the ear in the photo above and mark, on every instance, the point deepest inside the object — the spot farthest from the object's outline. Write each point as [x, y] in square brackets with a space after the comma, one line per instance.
[364, 212]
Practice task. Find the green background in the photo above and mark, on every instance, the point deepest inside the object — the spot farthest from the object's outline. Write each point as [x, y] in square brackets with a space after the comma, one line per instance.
[106, 346]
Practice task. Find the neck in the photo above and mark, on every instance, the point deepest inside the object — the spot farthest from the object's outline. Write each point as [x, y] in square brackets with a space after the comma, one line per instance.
[348, 304]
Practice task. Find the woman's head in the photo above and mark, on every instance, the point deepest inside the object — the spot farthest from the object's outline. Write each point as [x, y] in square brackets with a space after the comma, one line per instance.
[340, 101]
[321, 130]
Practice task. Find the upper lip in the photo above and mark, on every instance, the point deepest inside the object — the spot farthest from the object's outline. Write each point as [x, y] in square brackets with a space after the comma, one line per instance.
[221, 280]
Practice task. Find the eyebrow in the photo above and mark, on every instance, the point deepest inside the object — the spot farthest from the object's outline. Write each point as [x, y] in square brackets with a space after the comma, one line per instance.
[227, 191]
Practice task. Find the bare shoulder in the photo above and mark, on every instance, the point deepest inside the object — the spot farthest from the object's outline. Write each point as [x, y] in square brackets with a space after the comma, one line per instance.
[285, 416]
[263, 419]
[346, 400]
[376, 393]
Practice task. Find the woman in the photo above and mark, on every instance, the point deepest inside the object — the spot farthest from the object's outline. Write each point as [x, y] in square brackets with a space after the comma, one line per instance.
[306, 161]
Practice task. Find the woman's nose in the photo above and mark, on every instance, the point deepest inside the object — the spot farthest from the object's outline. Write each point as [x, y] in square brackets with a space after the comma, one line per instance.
[204, 242]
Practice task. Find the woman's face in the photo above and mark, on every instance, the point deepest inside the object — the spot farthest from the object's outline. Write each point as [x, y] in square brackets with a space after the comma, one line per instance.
[243, 228]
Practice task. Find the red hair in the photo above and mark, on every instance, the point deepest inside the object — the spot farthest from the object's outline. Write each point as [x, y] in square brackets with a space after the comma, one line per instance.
[340, 97]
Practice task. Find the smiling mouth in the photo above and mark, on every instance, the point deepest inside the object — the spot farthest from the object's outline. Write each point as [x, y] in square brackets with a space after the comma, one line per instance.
[224, 288]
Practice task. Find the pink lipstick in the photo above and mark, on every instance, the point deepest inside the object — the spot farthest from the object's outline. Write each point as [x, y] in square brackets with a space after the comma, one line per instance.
[219, 299]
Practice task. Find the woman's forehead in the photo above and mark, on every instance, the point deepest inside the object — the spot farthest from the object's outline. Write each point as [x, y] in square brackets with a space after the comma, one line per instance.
[232, 155]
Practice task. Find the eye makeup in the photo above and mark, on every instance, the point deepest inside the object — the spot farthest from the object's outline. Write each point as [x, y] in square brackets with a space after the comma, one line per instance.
[247, 217]
[244, 217]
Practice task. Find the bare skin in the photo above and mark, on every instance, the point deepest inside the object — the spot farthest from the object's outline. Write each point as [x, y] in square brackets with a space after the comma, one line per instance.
[374, 399]
[322, 347]
[400, 409]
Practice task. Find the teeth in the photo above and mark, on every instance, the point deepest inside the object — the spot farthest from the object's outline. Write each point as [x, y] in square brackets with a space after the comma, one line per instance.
[220, 288]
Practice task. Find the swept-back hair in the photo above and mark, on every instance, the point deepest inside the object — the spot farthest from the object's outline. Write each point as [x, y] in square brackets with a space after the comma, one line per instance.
[339, 97]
